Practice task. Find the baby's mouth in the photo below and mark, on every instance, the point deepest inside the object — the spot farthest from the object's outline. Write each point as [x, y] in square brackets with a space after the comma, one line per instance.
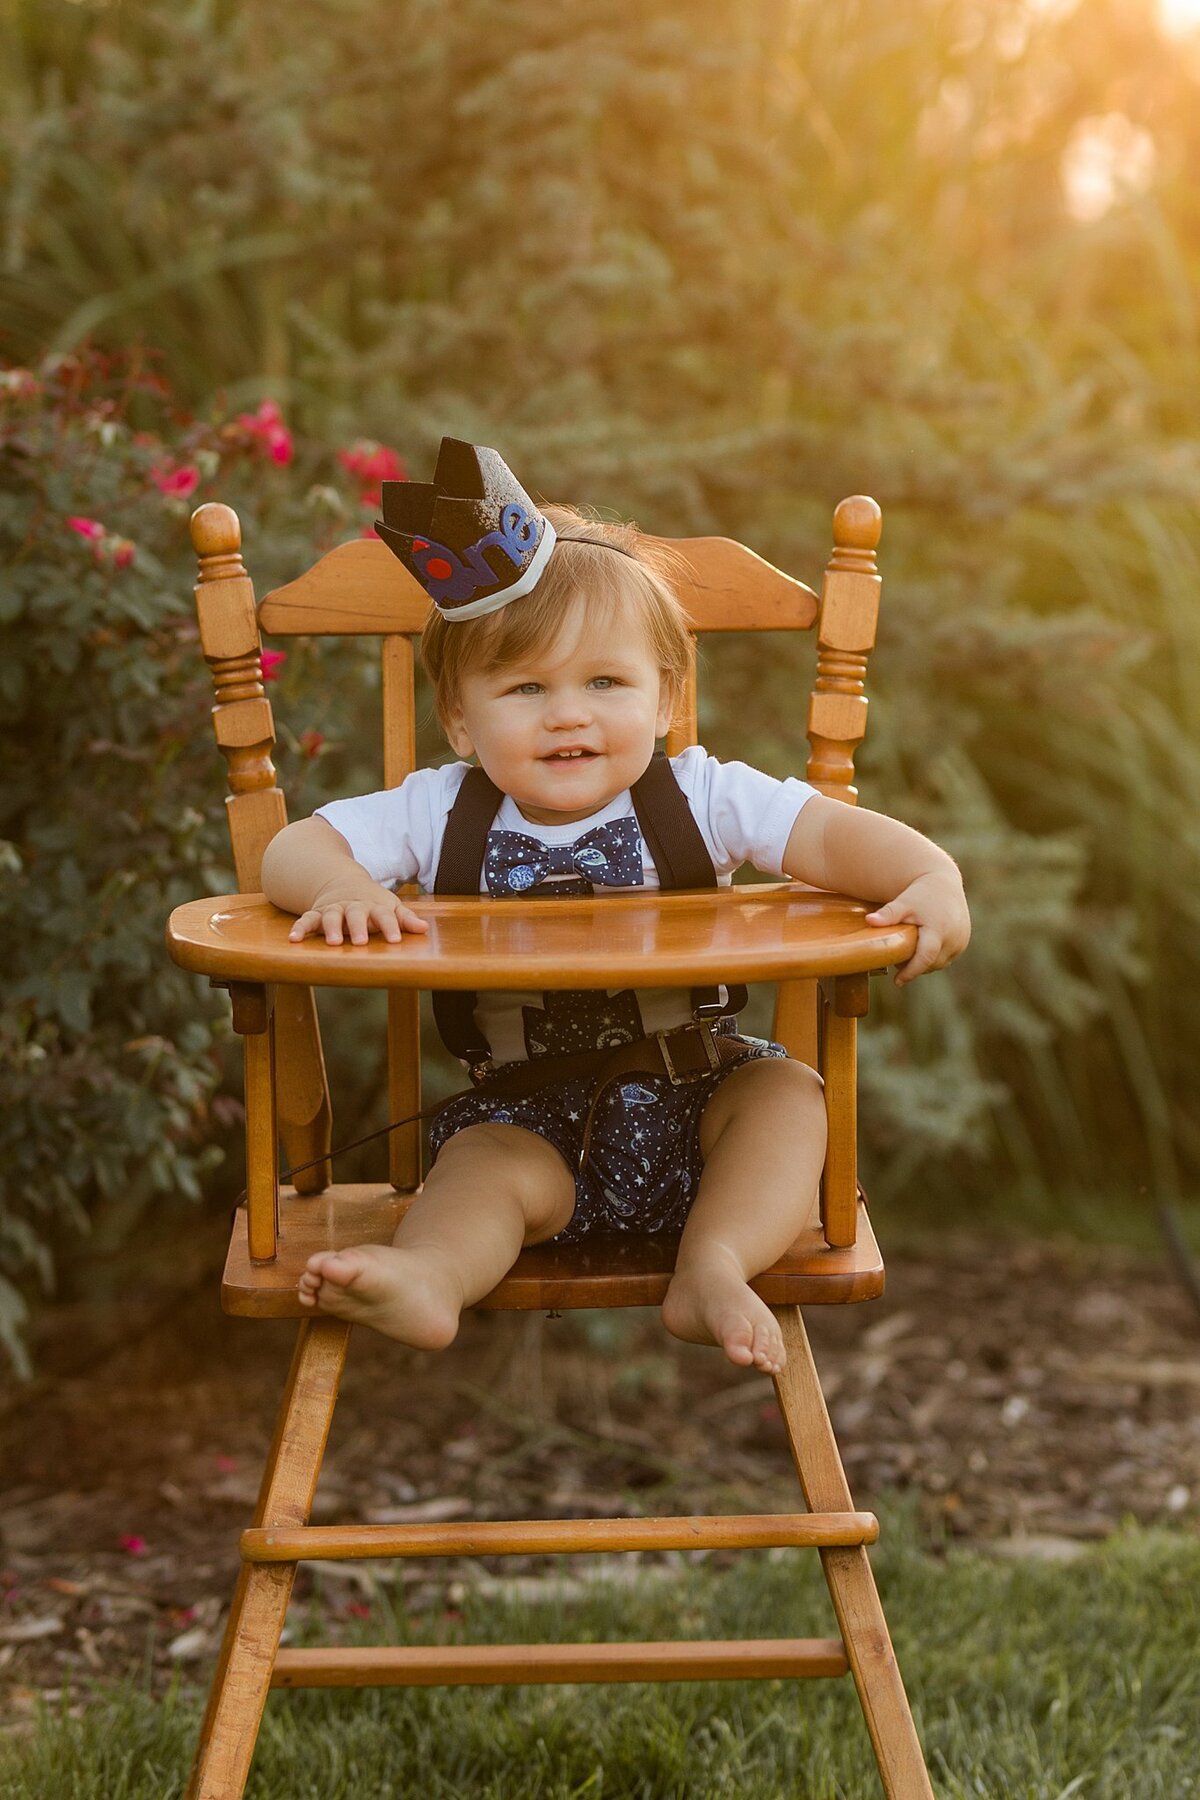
[563, 756]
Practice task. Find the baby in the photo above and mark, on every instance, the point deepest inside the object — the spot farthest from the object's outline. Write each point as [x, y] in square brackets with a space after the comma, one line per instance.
[558, 654]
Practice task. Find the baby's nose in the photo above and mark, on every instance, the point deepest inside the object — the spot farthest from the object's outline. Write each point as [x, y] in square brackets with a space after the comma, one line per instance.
[570, 707]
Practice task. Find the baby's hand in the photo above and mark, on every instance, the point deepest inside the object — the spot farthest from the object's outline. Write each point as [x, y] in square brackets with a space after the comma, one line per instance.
[358, 909]
[936, 904]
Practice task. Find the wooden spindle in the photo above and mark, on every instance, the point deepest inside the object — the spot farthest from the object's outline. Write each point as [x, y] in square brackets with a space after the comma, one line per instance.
[254, 1021]
[404, 1011]
[245, 733]
[844, 1000]
[837, 712]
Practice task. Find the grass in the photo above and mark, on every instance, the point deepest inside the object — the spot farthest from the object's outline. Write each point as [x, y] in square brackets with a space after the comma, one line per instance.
[1029, 1679]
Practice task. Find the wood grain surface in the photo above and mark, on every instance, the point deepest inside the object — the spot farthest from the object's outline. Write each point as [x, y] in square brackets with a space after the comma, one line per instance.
[765, 932]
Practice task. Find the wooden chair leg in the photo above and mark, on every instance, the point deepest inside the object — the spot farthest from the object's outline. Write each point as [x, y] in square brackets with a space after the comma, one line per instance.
[243, 1673]
[848, 1572]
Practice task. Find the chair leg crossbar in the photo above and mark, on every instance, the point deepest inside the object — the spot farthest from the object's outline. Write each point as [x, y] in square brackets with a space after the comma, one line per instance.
[251, 1661]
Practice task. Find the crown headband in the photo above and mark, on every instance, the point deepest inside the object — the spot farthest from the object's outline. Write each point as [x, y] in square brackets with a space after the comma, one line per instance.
[472, 536]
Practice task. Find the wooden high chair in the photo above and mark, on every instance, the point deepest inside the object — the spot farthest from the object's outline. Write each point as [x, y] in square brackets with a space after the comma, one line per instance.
[814, 945]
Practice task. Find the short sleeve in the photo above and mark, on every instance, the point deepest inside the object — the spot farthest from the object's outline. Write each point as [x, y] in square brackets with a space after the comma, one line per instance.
[396, 834]
[743, 815]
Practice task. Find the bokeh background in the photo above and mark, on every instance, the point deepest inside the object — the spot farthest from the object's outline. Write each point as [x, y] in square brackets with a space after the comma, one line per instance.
[708, 267]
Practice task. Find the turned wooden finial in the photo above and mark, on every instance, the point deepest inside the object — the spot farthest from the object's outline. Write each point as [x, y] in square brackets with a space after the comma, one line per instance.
[230, 640]
[217, 540]
[857, 528]
[837, 714]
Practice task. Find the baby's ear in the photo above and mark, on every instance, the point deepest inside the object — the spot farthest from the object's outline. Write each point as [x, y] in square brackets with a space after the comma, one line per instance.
[457, 735]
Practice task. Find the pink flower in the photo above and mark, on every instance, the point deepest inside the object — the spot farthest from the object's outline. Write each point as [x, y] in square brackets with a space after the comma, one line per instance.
[370, 464]
[133, 1545]
[311, 743]
[272, 661]
[227, 1464]
[356, 1610]
[122, 552]
[266, 427]
[176, 483]
[91, 529]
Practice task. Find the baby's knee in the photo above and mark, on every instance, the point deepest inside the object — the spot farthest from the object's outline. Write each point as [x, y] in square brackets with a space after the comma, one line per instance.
[782, 1081]
[768, 1093]
[518, 1167]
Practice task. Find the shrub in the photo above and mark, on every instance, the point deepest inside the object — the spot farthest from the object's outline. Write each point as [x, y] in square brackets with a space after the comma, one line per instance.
[110, 1058]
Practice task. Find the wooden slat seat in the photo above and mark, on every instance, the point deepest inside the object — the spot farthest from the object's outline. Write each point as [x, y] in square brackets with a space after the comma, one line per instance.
[605, 1270]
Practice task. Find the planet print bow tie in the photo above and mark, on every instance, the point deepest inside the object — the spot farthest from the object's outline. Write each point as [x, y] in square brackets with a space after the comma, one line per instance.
[608, 856]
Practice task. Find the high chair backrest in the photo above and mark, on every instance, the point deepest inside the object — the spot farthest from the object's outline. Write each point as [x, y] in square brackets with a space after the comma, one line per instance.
[360, 589]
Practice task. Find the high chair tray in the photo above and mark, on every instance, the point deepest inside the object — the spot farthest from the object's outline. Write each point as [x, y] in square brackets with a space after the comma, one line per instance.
[763, 932]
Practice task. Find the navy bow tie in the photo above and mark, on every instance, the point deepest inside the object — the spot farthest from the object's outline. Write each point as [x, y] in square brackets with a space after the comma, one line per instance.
[608, 855]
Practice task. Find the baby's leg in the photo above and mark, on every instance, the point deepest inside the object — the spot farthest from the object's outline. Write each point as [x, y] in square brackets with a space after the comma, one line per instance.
[492, 1189]
[763, 1137]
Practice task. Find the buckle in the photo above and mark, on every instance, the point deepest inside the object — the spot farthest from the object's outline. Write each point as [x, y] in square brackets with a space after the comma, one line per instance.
[479, 1071]
[677, 1077]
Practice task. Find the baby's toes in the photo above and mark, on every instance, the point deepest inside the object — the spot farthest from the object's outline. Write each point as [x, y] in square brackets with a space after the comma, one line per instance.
[327, 1265]
[768, 1349]
[737, 1341]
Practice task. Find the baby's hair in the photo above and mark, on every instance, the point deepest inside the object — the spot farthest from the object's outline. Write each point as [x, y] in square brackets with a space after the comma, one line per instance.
[582, 569]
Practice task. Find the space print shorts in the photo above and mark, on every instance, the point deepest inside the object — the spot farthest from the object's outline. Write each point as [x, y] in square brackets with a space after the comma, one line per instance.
[644, 1159]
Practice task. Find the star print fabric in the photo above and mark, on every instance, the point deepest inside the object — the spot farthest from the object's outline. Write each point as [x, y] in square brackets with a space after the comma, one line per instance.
[644, 1160]
[608, 856]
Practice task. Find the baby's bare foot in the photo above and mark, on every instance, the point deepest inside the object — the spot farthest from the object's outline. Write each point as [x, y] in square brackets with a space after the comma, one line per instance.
[709, 1303]
[405, 1294]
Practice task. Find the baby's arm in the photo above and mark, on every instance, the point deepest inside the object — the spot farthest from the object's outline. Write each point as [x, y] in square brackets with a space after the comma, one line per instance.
[308, 868]
[849, 850]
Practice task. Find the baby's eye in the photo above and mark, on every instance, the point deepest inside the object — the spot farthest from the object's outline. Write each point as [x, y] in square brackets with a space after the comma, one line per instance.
[527, 687]
[605, 681]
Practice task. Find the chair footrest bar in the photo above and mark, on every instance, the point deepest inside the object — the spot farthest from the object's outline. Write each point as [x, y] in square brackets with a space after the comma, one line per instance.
[523, 1537]
[480, 1665]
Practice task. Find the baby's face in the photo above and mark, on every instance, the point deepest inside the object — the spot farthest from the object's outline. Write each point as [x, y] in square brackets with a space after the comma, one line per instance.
[568, 728]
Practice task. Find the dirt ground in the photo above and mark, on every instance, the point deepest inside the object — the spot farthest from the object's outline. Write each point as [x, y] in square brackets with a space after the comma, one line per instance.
[1031, 1398]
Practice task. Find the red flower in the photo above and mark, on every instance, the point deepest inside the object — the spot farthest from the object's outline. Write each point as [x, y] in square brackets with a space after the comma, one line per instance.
[122, 552]
[91, 529]
[176, 483]
[272, 661]
[227, 1464]
[267, 428]
[311, 743]
[370, 464]
[356, 1610]
[133, 1545]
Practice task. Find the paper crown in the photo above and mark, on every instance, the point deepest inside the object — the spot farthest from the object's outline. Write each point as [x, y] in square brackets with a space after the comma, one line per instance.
[472, 536]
